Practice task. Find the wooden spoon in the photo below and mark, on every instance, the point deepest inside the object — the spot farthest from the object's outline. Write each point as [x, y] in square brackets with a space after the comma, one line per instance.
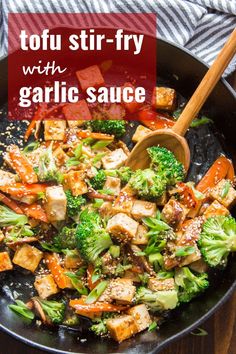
[173, 139]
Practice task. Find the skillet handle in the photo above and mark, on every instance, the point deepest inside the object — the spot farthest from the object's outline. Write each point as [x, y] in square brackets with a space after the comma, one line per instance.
[206, 86]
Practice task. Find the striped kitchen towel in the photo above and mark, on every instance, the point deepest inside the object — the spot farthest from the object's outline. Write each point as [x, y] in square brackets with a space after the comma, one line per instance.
[202, 26]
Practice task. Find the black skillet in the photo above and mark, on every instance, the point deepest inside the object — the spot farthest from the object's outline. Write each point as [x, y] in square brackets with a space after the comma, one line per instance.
[179, 69]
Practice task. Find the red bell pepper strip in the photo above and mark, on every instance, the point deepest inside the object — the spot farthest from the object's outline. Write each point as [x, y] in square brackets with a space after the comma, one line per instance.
[10, 203]
[154, 120]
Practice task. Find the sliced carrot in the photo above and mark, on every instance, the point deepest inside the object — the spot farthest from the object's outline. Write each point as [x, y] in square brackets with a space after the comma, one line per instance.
[23, 189]
[154, 120]
[35, 211]
[187, 196]
[221, 168]
[83, 134]
[10, 203]
[22, 166]
[80, 305]
[57, 271]
[38, 116]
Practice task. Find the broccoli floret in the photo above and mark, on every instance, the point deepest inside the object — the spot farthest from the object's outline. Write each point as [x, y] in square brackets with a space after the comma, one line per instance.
[65, 238]
[148, 184]
[125, 174]
[47, 170]
[99, 328]
[190, 285]
[74, 204]
[218, 239]
[97, 182]
[92, 238]
[9, 218]
[53, 310]
[114, 127]
[158, 300]
[165, 163]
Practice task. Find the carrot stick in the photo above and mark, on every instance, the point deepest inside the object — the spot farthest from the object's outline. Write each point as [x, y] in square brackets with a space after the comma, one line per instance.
[154, 120]
[22, 166]
[57, 271]
[80, 305]
[99, 136]
[22, 189]
[38, 116]
[10, 203]
[35, 211]
[221, 168]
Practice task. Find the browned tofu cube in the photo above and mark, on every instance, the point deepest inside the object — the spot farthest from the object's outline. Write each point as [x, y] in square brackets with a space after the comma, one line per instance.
[123, 203]
[174, 213]
[163, 98]
[60, 156]
[224, 193]
[122, 226]
[214, 209]
[132, 276]
[141, 237]
[140, 133]
[114, 159]
[90, 77]
[122, 327]
[55, 203]
[5, 262]
[73, 260]
[112, 184]
[45, 286]
[156, 284]
[122, 290]
[106, 210]
[27, 257]
[199, 266]
[162, 200]
[75, 182]
[76, 113]
[54, 129]
[141, 316]
[142, 209]
[190, 258]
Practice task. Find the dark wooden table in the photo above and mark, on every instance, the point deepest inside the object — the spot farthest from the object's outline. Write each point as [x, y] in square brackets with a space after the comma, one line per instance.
[220, 338]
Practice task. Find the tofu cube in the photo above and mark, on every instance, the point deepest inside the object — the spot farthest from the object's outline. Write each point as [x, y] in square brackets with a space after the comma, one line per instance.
[214, 209]
[132, 276]
[227, 198]
[90, 77]
[27, 257]
[123, 203]
[5, 262]
[54, 129]
[174, 213]
[60, 156]
[141, 316]
[122, 226]
[55, 203]
[45, 286]
[73, 260]
[106, 210]
[142, 209]
[7, 178]
[76, 113]
[122, 327]
[140, 133]
[75, 182]
[141, 237]
[156, 284]
[114, 159]
[191, 258]
[122, 290]
[163, 98]
[113, 184]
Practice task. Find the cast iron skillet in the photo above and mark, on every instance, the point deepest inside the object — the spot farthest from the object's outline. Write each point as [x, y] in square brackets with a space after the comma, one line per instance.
[181, 70]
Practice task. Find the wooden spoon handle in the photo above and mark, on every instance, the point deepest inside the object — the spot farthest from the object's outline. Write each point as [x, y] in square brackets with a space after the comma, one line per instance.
[206, 86]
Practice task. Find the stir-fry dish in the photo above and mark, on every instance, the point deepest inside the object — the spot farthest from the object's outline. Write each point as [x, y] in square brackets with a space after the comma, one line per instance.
[119, 247]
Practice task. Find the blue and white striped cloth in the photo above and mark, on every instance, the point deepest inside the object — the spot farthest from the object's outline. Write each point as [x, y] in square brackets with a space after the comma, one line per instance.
[202, 26]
